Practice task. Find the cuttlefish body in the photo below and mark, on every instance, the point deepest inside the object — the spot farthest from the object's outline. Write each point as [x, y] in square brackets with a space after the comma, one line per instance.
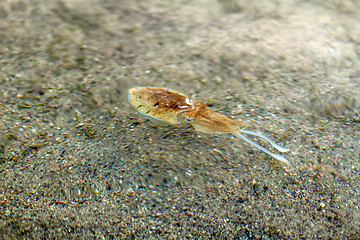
[172, 107]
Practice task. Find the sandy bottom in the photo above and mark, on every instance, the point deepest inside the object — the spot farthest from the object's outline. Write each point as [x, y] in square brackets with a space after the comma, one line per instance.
[77, 162]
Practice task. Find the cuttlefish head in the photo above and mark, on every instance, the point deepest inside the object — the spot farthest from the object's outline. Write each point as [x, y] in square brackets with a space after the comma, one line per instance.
[203, 119]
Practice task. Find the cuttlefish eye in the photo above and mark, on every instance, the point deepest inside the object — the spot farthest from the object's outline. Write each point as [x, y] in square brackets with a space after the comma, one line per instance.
[189, 119]
[182, 118]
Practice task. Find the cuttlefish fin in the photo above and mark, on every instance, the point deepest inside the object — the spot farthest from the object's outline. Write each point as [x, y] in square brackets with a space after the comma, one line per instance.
[159, 122]
[155, 120]
[274, 155]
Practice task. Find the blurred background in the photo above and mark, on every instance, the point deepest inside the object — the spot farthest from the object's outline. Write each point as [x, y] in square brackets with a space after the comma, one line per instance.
[76, 161]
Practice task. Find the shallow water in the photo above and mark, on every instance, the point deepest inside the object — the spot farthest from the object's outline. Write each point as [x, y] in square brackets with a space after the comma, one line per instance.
[76, 161]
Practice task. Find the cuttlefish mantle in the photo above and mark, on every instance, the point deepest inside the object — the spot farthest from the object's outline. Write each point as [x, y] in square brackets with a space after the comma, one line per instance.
[172, 107]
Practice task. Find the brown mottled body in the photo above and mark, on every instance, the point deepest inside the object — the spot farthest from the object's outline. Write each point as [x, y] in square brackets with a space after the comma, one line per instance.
[160, 103]
[173, 107]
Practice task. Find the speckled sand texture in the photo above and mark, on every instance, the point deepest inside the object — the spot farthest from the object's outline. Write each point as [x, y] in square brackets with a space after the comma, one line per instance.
[77, 162]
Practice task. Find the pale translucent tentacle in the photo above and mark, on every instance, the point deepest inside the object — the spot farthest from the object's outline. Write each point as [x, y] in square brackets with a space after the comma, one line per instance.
[275, 145]
[276, 156]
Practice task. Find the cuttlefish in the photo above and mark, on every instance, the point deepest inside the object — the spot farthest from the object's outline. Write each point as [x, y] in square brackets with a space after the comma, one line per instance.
[171, 107]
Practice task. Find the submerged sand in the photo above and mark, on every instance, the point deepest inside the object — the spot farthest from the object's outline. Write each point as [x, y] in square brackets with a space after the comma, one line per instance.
[77, 162]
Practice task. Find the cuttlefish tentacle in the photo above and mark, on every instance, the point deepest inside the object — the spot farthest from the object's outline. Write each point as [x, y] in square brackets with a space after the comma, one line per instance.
[275, 145]
[172, 107]
[274, 155]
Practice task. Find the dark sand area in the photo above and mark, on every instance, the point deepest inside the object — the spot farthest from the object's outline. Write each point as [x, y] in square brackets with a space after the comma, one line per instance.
[77, 162]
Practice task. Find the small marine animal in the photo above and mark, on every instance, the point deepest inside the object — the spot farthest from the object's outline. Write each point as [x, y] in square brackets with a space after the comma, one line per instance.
[172, 107]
